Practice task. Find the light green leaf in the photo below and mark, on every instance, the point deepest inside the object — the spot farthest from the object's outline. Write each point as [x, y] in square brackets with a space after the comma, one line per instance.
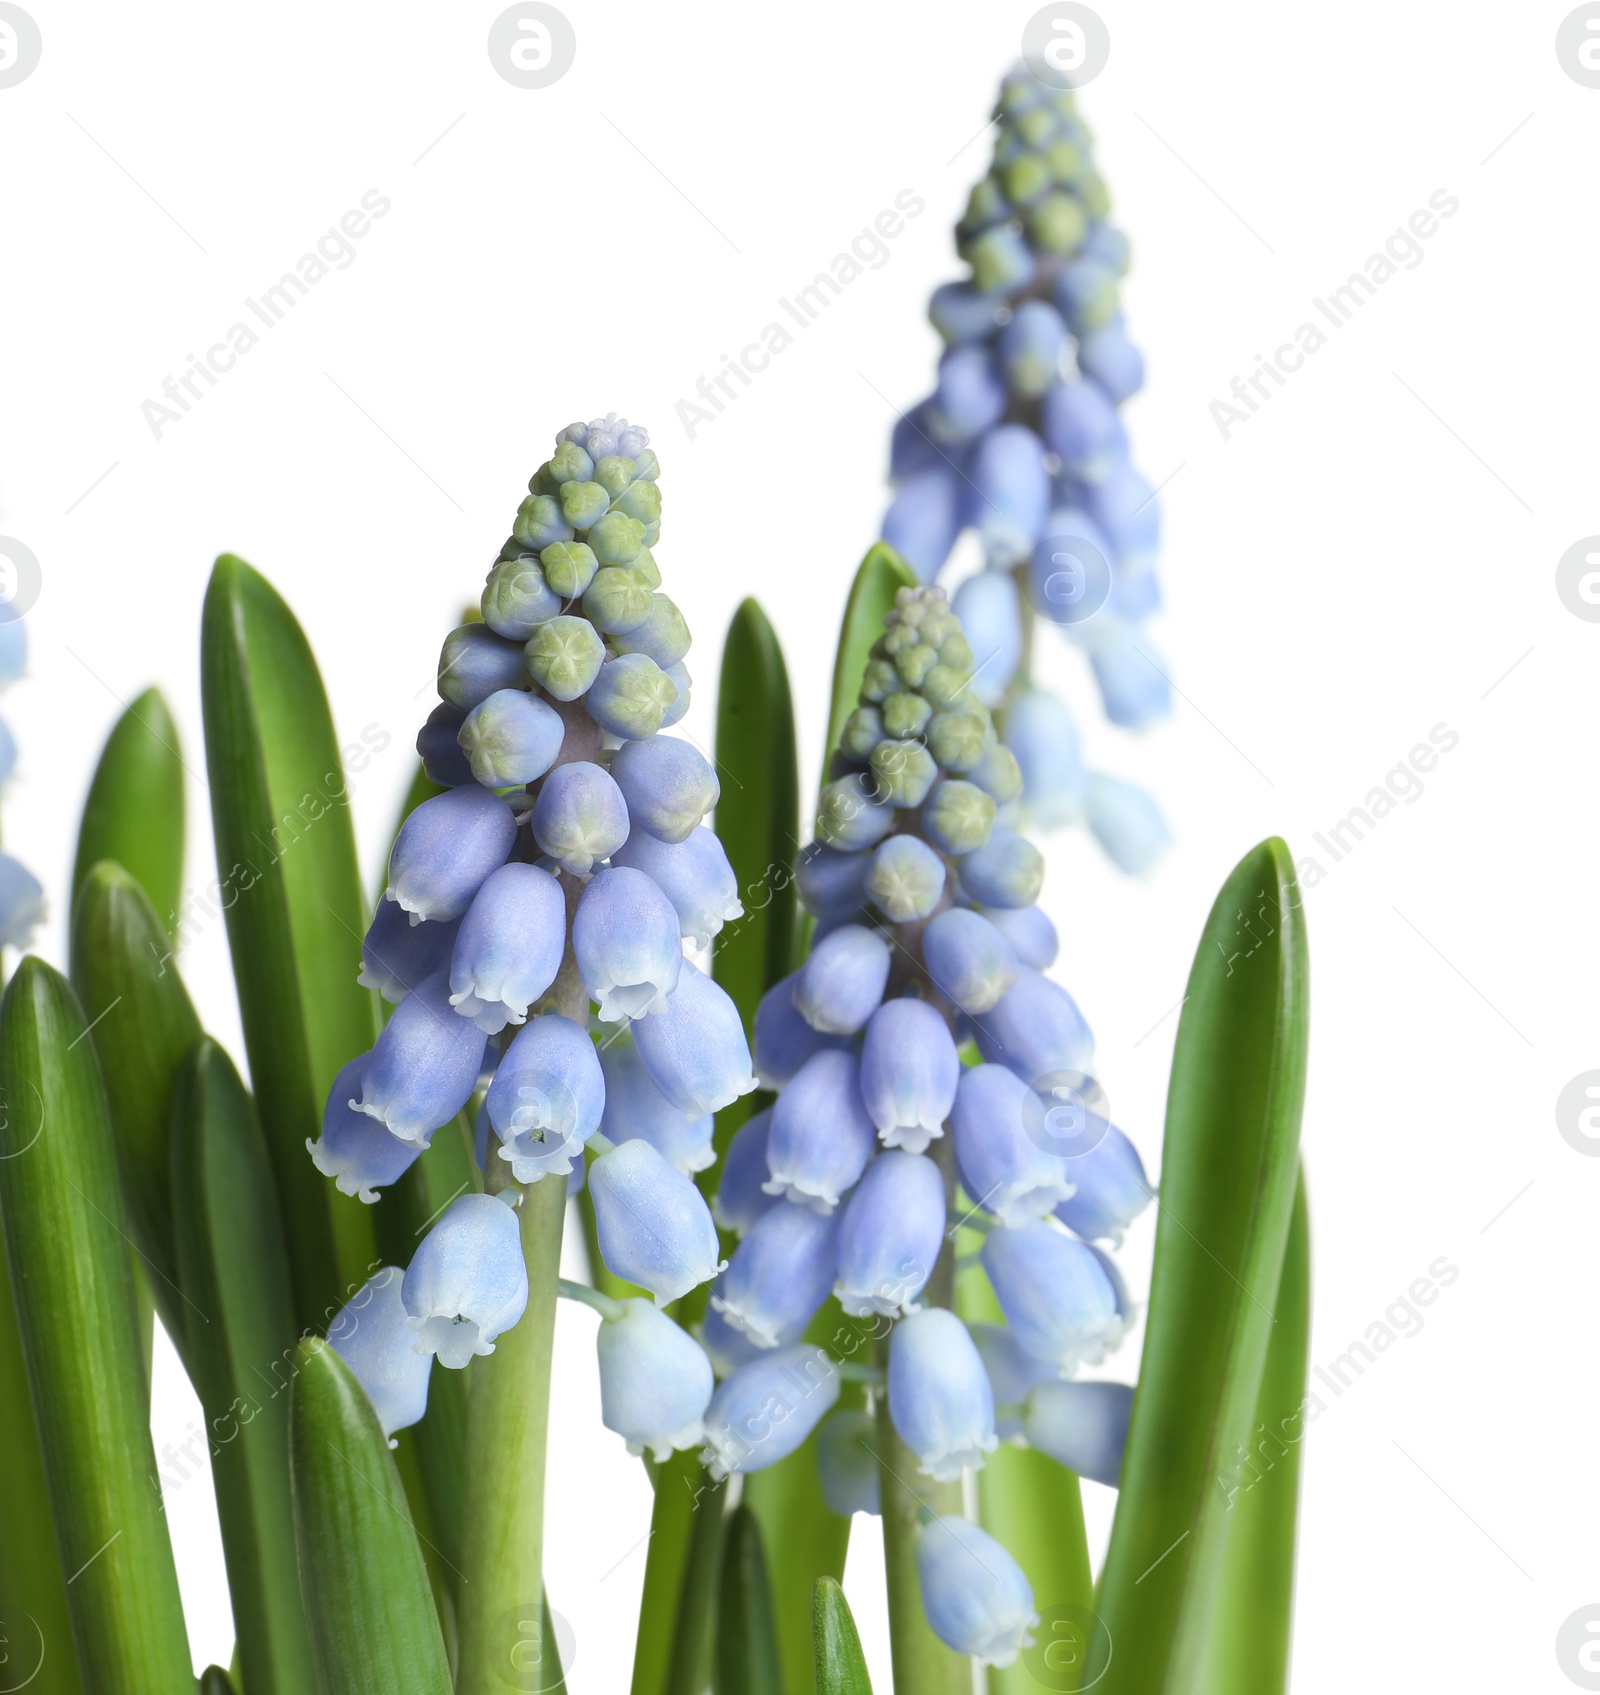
[67, 1249]
[235, 1270]
[292, 892]
[361, 1572]
[880, 576]
[747, 1642]
[1227, 1191]
[841, 1668]
[134, 813]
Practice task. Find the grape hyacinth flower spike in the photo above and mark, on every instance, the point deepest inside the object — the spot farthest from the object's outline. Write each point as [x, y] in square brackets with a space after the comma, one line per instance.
[1022, 441]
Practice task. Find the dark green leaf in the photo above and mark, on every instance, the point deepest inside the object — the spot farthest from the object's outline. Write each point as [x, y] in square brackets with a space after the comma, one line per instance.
[215, 1681]
[134, 813]
[361, 1570]
[1247, 1649]
[880, 576]
[292, 892]
[67, 1250]
[235, 1270]
[143, 1026]
[673, 1643]
[840, 1666]
[747, 1640]
[1227, 1191]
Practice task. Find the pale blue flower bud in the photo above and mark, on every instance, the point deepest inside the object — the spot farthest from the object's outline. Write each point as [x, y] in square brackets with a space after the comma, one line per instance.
[970, 962]
[1012, 1373]
[546, 1098]
[354, 1149]
[468, 1281]
[565, 655]
[1055, 1294]
[1113, 361]
[923, 520]
[1112, 1189]
[653, 1226]
[1126, 822]
[1041, 734]
[1070, 572]
[728, 1348]
[425, 1064]
[821, 1137]
[890, 1235]
[693, 874]
[847, 1462]
[850, 815]
[939, 1395]
[766, 1409]
[445, 850]
[510, 738]
[741, 1198]
[906, 879]
[1124, 505]
[991, 619]
[1086, 292]
[1012, 493]
[1030, 932]
[1081, 428]
[843, 981]
[13, 651]
[1107, 244]
[540, 522]
[780, 1275]
[977, 1598]
[1035, 1028]
[784, 1041]
[960, 313]
[1007, 1170]
[911, 446]
[372, 1336]
[678, 676]
[396, 955]
[569, 567]
[655, 1381]
[1008, 870]
[439, 749]
[662, 634]
[1000, 259]
[636, 1109]
[668, 784]
[579, 816]
[1031, 347]
[832, 884]
[969, 398]
[631, 697]
[1133, 685]
[696, 1049]
[625, 938]
[903, 772]
[474, 662]
[958, 816]
[1084, 1426]
[909, 1070]
[517, 599]
[509, 948]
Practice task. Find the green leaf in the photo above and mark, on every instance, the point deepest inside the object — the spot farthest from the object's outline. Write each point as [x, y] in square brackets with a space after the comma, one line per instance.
[841, 1668]
[1227, 1191]
[747, 1641]
[1247, 1649]
[235, 1269]
[134, 813]
[67, 1250]
[215, 1681]
[143, 1026]
[673, 1646]
[361, 1570]
[881, 575]
[292, 892]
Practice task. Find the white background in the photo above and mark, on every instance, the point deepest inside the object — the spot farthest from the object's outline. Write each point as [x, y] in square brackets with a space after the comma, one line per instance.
[1369, 557]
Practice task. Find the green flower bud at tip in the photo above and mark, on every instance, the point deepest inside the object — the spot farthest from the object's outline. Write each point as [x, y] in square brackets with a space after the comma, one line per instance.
[516, 598]
[614, 473]
[631, 696]
[878, 681]
[642, 501]
[905, 714]
[539, 522]
[565, 656]
[915, 663]
[862, 732]
[569, 566]
[957, 739]
[958, 816]
[944, 685]
[954, 652]
[617, 539]
[570, 464]
[998, 773]
[645, 566]
[618, 600]
[905, 772]
[583, 503]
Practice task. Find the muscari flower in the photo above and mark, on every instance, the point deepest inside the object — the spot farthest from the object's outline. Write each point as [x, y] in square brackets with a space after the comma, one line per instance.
[821, 1134]
[780, 1274]
[546, 1098]
[653, 1226]
[1083, 1425]
[766, 1409]
[372, 1334]
[467, 1281]
[890, 1235]
[977, 1598]
[847, 1462]
[509, 946]
[655, 1380]
[354, 1148]
[939, 1394]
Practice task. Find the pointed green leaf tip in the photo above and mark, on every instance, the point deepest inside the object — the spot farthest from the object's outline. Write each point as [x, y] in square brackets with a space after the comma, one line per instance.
[1227, 1192]
[134, 813]
[841, 1666]
[880, 576]
[361, 1571]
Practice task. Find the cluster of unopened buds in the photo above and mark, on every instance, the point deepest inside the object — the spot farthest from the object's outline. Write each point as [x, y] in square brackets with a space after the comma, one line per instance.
[1022, 442]
[533, 939]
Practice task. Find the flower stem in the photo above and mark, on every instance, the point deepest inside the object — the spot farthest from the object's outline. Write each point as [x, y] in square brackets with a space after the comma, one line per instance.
[602, 1304]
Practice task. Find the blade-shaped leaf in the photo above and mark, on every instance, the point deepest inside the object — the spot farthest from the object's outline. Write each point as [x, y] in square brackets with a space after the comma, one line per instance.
[242, 1336]
[286, 856]
[880, 576]
[67, 1250]
[841, 1668]
[1247, 1649]
[215, 1681]
[361, 1571]
[134, 813]
[1227, 1191]
[143, 1026]
[747, 1641]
